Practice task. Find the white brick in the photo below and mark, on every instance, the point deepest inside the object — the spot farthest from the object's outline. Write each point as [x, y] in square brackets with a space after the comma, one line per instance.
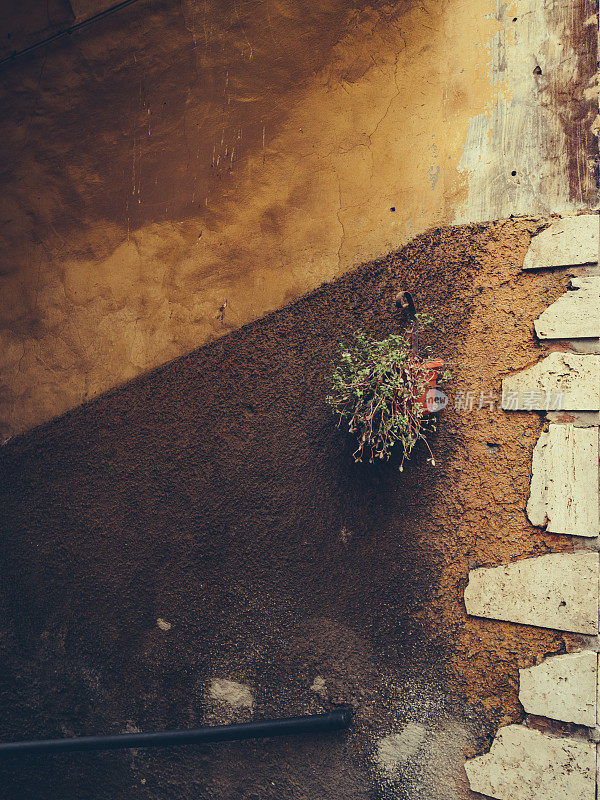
[598, 703]
[524, 764]
[561, 381]
[558, 591]
[562, 687]
[564, 481]
[576, 314]
[568, 241]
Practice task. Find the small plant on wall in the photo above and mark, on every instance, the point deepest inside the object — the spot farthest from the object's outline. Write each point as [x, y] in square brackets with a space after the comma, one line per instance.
[381, 389]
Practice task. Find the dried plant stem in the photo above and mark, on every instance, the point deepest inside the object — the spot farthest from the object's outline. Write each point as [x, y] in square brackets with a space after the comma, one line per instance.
[377, 387]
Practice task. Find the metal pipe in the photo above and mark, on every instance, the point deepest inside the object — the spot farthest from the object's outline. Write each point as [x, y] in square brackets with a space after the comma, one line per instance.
[260, 729]
[65, 32]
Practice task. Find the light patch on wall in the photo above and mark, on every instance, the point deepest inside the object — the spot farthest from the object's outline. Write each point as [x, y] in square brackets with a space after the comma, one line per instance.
[319, 686]
[394, 750]
[519, 155]
[236, 695]
[419, 761]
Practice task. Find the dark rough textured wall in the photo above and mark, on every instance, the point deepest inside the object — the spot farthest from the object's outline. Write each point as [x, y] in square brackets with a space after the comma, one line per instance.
[217, 494]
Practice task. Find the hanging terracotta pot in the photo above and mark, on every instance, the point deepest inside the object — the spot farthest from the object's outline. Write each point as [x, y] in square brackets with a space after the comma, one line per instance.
[431, 370]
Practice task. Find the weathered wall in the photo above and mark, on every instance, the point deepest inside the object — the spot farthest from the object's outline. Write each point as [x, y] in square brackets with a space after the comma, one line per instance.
[196, 545]
[178, 157]
[206, 524]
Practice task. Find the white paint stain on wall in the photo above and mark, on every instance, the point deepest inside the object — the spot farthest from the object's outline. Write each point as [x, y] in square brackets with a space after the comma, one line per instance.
[419, 760]
[236, 695]
[394, 750]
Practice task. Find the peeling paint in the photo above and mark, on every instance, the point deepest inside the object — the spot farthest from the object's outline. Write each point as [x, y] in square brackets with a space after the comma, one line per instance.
[529, 151]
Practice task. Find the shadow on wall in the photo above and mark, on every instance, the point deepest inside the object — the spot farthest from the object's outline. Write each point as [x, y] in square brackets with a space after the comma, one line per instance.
[198, 546]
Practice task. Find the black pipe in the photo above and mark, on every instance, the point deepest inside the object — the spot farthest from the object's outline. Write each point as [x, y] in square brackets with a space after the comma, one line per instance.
[315, 723]
[65, 32]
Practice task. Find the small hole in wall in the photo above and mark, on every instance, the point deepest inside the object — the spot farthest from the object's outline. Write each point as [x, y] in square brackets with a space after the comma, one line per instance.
[514, 172]
[537, 70]
[563, 603]
[515, 19]
[393, 208]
